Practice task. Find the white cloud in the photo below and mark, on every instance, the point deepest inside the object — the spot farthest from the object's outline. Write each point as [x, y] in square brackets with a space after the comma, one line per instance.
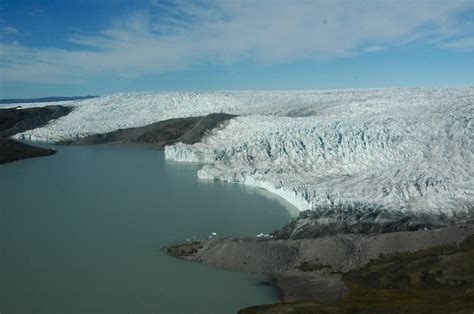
[219, 31]
[9, 30]
[374, 48]
[466, 43]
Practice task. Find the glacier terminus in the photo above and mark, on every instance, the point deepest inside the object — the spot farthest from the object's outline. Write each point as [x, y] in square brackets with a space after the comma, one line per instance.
[397, 151]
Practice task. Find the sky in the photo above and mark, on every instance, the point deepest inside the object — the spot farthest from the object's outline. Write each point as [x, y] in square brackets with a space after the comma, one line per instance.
[96, 47]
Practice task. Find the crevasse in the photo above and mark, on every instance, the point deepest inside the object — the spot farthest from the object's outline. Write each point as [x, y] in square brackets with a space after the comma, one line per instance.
[400, 149]
[418, 160]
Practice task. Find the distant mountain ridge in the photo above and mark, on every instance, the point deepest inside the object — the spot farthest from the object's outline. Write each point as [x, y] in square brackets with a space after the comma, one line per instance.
[42, 99]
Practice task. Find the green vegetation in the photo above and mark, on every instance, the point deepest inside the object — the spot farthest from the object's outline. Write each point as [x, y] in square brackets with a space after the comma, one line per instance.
[313, 266]
[186, 249]
[436, 280]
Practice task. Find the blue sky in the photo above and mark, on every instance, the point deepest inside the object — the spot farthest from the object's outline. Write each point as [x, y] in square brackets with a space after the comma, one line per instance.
[67, 47]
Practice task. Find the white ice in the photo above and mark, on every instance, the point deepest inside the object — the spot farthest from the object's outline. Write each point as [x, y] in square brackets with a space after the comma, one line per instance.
[401, 149]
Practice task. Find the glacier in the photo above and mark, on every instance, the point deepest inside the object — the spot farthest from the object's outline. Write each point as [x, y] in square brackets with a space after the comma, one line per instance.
[403, 150]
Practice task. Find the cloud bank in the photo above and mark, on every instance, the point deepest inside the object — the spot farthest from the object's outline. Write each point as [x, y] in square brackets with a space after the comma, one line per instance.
[181, 34]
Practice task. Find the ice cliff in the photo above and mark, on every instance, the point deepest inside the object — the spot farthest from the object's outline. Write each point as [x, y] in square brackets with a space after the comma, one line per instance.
[402, 150]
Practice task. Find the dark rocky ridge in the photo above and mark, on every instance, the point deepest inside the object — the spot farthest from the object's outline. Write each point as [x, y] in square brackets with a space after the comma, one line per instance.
[362, 220]
[11, 150]
[185, 130]
[13, 121]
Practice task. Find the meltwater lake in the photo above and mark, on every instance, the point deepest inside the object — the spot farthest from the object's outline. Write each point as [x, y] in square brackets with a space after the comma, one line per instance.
[82, 232]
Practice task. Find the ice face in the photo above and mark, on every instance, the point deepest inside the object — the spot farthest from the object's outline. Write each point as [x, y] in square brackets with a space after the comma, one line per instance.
[422, 163]
[400, 153]
[397, 149]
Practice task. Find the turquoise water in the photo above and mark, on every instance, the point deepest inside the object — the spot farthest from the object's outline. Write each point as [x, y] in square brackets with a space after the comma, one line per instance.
[81, 232]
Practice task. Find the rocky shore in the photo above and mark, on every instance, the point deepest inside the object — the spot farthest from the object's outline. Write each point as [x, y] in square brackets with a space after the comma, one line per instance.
[11, 150]
[15, 120]
[331, 271]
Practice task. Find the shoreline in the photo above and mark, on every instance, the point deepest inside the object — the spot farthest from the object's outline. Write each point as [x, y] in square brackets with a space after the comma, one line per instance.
[341, 252]
[16, 120]
[318, 269]
[11, 150]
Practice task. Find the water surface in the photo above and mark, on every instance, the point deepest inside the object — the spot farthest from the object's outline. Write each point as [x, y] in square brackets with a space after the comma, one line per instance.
[81, 231]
